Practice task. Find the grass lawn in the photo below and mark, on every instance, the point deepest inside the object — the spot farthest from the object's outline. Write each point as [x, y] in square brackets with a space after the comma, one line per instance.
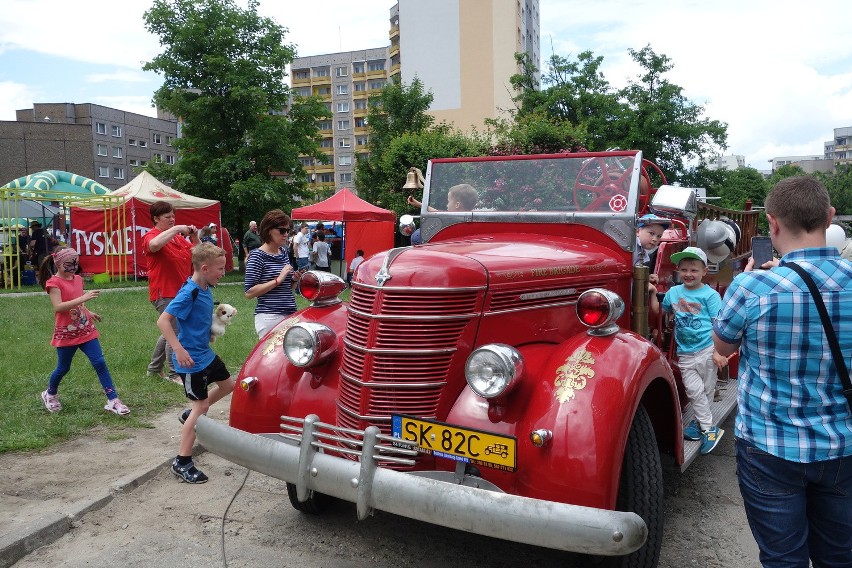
[128, 332]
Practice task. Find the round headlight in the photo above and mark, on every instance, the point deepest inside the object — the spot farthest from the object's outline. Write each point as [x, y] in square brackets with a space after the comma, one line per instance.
[492, 370]
[308, 343]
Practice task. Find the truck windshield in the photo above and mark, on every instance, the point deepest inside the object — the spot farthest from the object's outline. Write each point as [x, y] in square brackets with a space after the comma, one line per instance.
[591, 182]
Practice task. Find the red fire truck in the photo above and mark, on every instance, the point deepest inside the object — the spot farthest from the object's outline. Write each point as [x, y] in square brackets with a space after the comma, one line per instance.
[503, 377]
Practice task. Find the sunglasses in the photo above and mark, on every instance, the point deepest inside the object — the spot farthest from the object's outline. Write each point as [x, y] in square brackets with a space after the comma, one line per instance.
[283, 230]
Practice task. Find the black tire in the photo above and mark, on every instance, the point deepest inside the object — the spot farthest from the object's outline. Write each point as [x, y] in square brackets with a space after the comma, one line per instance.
[316, 503]
[640, 490]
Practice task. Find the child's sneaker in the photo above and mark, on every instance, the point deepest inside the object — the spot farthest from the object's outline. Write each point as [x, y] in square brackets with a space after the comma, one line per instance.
[51, 402]
[710, 439]
[116, 407]
[692, 431]
[187, 472]
[184, 416]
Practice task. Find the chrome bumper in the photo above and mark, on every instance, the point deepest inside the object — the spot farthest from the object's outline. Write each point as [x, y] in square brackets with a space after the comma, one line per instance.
[297, 459]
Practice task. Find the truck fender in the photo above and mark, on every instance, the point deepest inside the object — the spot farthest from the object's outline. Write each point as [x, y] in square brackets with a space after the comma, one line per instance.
[584, 392]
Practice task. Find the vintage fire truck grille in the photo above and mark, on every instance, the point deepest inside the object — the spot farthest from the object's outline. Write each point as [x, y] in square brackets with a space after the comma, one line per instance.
[399, 346]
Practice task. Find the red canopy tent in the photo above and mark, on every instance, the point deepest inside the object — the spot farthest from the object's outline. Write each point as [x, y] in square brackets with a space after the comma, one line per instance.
[109, 241]
[365, 226]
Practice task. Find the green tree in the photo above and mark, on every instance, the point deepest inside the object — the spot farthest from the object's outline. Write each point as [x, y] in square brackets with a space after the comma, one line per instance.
[669, 129]
[839, 185]
[223, 71]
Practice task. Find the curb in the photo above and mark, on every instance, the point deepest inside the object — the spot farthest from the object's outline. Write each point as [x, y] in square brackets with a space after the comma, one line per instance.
[50, 528]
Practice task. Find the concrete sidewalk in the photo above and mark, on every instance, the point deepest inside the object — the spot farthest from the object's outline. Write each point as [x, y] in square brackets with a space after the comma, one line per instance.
[43, 494]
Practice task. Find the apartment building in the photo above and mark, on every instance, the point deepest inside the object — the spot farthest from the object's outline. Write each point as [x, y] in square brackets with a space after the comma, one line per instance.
[839, 149]
[95, 141]
[463, 52]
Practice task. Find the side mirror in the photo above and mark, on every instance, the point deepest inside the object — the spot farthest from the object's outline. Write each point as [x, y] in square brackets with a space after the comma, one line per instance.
[406, 225]
[675, 201]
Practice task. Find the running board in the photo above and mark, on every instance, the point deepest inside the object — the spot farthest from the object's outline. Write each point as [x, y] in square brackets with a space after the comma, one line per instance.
[720, 409]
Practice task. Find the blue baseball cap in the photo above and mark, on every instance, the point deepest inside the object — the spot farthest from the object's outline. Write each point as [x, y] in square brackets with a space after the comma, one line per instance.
[651, 219]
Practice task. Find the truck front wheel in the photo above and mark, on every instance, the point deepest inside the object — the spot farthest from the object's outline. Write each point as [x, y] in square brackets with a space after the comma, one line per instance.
[314, 505]
[641, 490]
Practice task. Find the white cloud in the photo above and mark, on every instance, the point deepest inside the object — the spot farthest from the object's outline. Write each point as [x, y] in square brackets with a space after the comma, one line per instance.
[14, 96]
[122, 75]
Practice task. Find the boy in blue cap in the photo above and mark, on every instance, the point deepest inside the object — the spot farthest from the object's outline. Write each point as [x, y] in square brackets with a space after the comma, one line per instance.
[695, 305]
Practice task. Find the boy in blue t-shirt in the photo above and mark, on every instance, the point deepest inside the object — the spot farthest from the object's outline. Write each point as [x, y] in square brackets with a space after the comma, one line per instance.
[195, 362]
[695, 306]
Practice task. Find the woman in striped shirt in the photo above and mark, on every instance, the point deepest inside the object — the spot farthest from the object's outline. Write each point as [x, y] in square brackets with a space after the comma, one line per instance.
[269, 275]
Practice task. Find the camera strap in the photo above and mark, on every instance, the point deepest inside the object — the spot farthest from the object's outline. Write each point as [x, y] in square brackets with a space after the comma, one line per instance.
[830, 334]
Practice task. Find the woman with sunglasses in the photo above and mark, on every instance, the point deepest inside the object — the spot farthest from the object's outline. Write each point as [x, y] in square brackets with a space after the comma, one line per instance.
[74, 327]
[269, 275]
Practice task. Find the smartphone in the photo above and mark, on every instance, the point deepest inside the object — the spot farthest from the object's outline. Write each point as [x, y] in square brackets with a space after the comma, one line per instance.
[761, 250]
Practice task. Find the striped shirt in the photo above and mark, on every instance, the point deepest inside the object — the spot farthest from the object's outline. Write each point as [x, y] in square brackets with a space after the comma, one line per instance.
[262, 267]
[790, 396]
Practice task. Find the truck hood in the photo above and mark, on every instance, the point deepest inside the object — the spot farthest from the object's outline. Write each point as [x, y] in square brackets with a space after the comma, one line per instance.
[478, 262]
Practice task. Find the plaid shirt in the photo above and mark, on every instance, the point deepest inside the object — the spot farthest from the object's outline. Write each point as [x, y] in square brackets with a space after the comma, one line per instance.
[790, 396]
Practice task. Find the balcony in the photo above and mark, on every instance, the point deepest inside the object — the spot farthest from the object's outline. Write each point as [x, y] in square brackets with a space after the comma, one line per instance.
[395, 70]
[394, 31]
[379, 74]
[394, 50]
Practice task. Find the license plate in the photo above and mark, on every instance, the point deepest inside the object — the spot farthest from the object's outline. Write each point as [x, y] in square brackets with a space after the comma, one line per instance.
[461, 444]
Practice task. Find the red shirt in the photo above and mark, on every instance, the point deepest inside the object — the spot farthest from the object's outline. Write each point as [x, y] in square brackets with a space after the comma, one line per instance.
[169, 267]
[75, 326]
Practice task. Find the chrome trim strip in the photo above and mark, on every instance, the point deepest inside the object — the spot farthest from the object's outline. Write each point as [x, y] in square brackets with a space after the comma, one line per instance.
[436, 317]
[399, 351]
[372, 385]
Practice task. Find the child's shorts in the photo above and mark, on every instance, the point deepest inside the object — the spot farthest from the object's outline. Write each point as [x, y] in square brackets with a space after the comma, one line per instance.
[195, 384]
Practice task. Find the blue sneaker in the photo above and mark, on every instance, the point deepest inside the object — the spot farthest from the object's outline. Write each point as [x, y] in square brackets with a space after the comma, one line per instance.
[710, 439]
[692, 431]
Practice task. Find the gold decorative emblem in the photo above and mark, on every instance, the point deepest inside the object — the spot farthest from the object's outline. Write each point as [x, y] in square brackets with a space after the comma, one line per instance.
[277, 338]
[573, 375]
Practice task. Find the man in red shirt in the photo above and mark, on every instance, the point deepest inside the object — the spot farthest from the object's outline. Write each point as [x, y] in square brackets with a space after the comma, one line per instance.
[169, 257]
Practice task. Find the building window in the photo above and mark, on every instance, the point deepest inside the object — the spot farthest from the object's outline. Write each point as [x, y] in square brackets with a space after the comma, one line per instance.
[169, 140]
[360, 122]
[360, 104]
[303, 74]
[324, 125]
[157, 157]
[100, 128]
[376, 66]
[343, 89]
[131, 142]
[116, 152]
[326, 178]
[133, 162]
[346, 177]
[103, 171]
[143, 163]
[156, 138]
[377, 84]
[361, 140]
[306, 162]
[358, 67]
[327, 143]
[118, 173]
[170, 159]
[303, 91]
[322, 91]
[343, 125]
[344, 161]
[343, 143]
[341, 71]
[116, 131]
[342, 107]
[102, 150]
[321, 72]
[143, 143]
[360, 87]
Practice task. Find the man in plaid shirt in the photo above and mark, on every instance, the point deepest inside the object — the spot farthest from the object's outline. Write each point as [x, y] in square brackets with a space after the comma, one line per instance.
[794, 425]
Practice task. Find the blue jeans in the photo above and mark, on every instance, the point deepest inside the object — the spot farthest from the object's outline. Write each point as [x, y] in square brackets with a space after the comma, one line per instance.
[303, 262]
[92, 350]
[797, 510]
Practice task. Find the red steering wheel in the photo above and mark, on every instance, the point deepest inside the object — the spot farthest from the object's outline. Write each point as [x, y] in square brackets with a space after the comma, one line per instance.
[600, 183]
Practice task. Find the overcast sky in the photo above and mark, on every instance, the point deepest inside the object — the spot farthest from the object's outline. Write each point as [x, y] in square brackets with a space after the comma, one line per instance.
[779, 73]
